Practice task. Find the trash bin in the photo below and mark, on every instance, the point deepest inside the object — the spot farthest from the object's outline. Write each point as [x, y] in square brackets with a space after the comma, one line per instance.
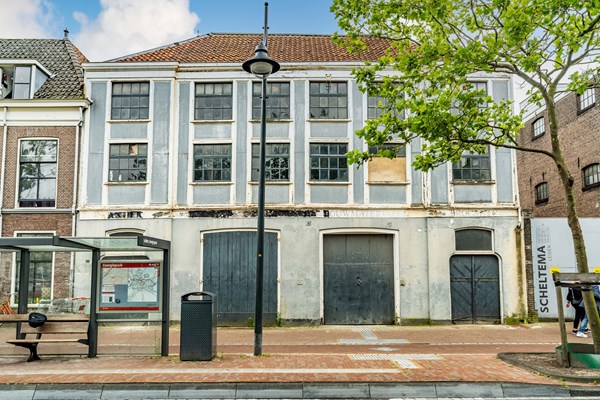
[198, 337]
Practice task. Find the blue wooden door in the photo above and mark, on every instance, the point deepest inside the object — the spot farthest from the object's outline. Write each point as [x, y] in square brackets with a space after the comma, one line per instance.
[229, 271]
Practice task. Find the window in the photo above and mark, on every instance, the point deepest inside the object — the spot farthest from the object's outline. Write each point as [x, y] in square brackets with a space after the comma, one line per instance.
[214, 101]
[277, 162]
[212, 162]
[591, 176]
[473, 239]
[40, 272]
[127, 162]
[22, 82]
[328, 162]
[541, 193]
[37, 173]
[130, 100]
[538, 127]
[474, 167]
[386, 170]
[328, 100]
[278, 100]
[586, 100]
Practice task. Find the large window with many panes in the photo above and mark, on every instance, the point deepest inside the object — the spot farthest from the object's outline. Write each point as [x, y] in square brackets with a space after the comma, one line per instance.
[472, 167]
[128, 162]
[328, 162]
[277, 161]
[328, 100]
[591, 176]
[278, 100]
[213, 101]
[130, 100]
[37, 173]
[212, 162]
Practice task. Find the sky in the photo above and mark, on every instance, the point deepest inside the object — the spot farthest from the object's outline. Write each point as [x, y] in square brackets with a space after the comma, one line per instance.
[105, 29]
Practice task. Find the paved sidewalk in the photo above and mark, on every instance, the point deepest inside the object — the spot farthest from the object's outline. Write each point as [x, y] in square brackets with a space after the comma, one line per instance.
[436, 358]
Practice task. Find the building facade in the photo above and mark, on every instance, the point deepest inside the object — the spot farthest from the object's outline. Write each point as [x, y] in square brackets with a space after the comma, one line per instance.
[42, 106]
[171, 151]
[542, 194]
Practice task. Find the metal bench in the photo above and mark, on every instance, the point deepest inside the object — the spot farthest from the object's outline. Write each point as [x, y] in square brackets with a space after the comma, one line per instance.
[62, 328]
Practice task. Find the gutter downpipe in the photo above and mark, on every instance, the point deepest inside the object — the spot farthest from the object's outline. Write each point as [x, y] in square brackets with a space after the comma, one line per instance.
[75, 197]
[2, 175]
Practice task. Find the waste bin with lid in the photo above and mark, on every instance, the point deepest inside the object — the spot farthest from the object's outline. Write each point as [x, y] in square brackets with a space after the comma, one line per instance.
[198, 337]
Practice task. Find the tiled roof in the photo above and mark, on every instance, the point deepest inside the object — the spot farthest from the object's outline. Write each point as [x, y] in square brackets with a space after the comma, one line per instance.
[59, 56]
[236, 48]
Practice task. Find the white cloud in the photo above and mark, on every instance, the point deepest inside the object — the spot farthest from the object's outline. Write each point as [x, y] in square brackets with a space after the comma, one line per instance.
[128, 26]
[27, 19]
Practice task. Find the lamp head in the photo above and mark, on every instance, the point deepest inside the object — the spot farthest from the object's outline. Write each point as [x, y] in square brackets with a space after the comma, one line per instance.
[261, 64]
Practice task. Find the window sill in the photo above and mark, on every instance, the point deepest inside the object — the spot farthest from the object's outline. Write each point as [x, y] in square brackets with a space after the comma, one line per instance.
[336, 183]
[276, 183]
[541, 202]
[328, 120]
[128, 121]
[538, 136]
[273, 121]
[213, 121]
[579, 112]
[473, 182]
[211, 183]
[590, 187]
[388, 183]
[126, 183]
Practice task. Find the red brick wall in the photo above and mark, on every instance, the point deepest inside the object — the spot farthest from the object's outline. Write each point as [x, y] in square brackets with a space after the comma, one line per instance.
[580, 141]
[30, 219]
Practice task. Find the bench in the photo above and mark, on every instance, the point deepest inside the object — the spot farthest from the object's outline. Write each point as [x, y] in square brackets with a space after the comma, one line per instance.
[68, 328]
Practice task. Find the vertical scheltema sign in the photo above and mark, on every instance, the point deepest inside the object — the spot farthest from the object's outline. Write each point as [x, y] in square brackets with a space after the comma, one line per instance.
[552, 247]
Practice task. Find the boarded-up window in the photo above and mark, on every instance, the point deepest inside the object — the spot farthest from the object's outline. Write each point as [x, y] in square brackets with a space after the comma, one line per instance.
[388, 170]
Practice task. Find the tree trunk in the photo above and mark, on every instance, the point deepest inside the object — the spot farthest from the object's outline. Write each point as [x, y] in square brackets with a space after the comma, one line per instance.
[573, 221]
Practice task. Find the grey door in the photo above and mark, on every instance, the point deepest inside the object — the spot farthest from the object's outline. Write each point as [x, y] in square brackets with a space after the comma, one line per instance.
[475, 289]
[229, 271]
[358, 279]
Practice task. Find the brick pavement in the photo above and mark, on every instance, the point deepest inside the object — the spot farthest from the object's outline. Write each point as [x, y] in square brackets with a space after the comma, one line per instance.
[464, 353]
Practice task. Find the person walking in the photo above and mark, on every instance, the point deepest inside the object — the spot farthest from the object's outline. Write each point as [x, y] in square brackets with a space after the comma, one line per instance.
[575, 299]
[581, 332]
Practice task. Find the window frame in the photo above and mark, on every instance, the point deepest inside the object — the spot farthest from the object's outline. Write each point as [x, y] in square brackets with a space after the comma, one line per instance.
[212, 157]
[16, 267]
[340, 155]
[472, 157]
[37, 203]
[540, 190]
[319, 97]
[198, 110]
[128, 156]
[388, 163]
[536, 133]
[271, 98]
[139, 96]
[594, 175]
[582, 99]
[475, 251]
[255, 159]
[28, 84]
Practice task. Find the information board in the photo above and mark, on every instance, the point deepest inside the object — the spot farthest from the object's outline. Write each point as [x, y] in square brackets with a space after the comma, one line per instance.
[132, 286]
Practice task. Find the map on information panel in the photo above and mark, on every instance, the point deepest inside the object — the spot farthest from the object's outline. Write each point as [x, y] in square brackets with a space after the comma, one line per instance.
[129, 286]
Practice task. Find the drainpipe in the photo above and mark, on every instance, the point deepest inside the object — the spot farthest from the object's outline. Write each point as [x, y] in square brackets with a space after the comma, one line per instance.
[75, 197]
[2, 175]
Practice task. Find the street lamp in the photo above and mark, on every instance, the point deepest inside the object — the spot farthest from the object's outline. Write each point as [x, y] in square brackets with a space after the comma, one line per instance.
[261, 66]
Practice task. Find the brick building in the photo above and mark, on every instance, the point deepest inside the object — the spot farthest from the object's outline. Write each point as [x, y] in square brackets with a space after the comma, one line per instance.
[42, 107]
[541, 193]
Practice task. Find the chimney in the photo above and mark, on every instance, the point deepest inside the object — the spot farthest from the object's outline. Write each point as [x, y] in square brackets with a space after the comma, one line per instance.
[66, 31]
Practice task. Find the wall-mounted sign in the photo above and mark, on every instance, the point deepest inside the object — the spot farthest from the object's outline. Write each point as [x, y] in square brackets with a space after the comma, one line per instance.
[131, 286]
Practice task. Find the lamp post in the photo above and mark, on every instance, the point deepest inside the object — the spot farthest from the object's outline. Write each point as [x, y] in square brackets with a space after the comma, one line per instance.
[261, 66]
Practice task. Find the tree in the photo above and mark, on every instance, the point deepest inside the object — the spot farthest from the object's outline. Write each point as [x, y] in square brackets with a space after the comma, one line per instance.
[436, 46]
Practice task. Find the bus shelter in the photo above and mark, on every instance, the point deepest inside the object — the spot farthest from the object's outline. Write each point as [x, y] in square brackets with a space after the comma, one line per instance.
[95, 245]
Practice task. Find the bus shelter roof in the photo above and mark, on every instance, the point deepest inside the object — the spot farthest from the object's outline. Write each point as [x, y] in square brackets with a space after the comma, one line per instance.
[105, 244]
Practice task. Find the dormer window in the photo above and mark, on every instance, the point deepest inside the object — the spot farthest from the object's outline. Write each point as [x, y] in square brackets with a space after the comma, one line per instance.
[21, 81]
